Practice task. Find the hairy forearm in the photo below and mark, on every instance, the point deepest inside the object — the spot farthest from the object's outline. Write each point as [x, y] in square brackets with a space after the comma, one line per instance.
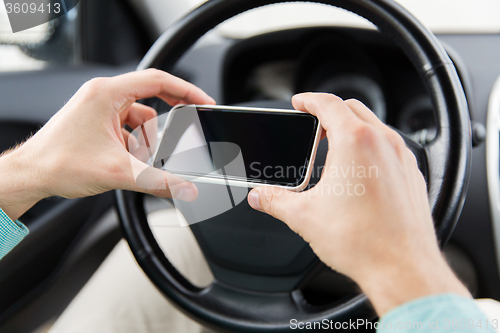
[22, 182]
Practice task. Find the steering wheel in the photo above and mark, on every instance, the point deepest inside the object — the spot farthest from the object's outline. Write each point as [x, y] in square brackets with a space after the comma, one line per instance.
[256, 289]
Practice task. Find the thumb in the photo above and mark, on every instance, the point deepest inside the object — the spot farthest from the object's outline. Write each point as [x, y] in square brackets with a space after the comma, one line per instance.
[275, 201]
[150, 180]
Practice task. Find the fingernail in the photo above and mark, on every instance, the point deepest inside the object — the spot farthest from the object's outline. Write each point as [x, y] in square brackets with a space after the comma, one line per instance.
[253, 200]
[185, 193]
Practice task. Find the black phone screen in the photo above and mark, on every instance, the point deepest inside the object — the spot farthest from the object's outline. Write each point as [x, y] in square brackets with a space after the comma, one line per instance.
[274, 147]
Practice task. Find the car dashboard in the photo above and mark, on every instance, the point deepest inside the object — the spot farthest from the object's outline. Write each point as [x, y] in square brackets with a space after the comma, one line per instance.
[351, 63]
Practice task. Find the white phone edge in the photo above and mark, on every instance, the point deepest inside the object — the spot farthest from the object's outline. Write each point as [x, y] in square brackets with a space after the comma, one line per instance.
[241, 183]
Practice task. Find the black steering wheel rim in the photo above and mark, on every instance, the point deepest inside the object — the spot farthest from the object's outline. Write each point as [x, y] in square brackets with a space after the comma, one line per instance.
[447, 158]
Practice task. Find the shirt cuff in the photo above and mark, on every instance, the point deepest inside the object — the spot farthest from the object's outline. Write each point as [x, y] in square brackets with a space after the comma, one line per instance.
[11, 233]
[437, 313]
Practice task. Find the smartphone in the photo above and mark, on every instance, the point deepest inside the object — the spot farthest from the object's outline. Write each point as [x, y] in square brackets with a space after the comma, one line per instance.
[239, 146]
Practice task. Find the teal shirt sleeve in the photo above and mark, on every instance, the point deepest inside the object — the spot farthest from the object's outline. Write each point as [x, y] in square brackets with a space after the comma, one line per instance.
[438, 314]
[11, 233]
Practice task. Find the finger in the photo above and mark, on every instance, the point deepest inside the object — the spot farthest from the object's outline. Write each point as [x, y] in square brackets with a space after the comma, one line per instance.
[275, 201]
[147, 179]
[368, 116]
[144, 121]
[133, 147]
[137, 114]
[174, 102]
[364, 113]
[323, 134]
[331, 110]
[126, 138]
[153, 82]
[142, 143]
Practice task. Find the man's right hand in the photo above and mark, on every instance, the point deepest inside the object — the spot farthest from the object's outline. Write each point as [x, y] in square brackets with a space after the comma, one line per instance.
[368, 217]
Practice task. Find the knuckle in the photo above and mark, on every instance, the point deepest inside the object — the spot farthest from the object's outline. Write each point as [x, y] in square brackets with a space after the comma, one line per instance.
[278, 204]
[363, 134]
[155, 72]
[273, 200]
[152, 70]
[115, 169]
[95, 85]
[396, 140]
[157, 184]
[317, 100]
[270, 203]
[352, 102]
[411, 157]
[330, 99]
[310, 103]
[156, 191]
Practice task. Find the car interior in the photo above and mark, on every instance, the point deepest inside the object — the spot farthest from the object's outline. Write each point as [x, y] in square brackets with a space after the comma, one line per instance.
[260, 58]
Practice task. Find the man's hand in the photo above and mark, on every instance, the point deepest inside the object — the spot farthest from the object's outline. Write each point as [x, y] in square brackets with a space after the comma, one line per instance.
[82, 150]
[369, 216]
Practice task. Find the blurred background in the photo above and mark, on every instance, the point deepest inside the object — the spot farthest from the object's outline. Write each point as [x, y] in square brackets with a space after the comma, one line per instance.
[63, 41]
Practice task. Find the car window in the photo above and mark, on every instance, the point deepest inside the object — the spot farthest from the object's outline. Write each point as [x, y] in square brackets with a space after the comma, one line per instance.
[50, 44]
[440, 16]
[56, 43]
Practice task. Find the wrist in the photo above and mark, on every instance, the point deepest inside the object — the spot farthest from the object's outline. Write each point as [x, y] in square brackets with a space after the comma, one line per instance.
[392, 285]
[23, 181]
